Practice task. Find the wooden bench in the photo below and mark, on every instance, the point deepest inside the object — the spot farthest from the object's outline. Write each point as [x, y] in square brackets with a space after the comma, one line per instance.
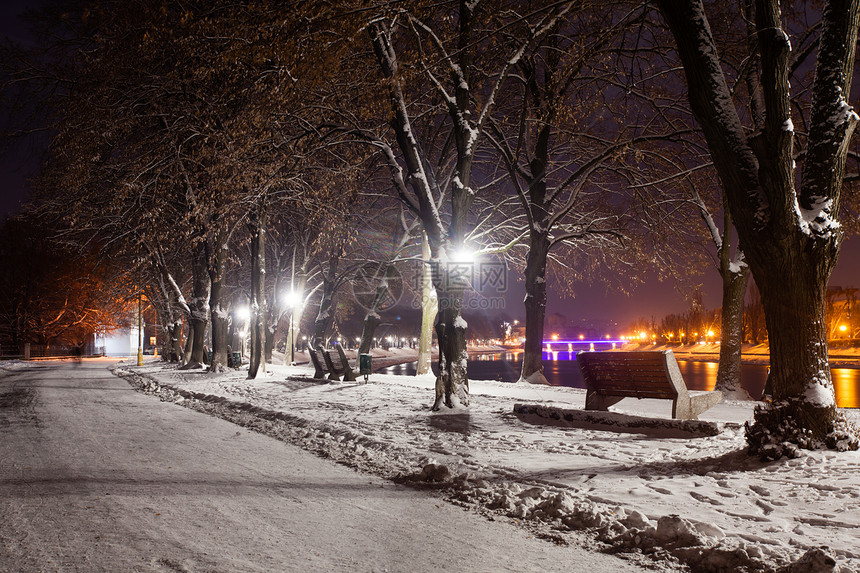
[319, 362]
[332, 362]
[338, 365]
[611, 376]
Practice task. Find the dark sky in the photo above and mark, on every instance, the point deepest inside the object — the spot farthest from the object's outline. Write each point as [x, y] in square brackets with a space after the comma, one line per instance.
[20, 162]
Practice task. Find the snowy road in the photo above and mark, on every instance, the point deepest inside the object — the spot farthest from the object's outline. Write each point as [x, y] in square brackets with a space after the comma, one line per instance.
[97, 477]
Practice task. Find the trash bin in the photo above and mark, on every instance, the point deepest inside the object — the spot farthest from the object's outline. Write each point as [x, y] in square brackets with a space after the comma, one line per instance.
[365, 365]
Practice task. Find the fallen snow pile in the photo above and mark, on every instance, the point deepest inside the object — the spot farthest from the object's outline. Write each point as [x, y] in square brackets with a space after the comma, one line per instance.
[613, 421]
[689, 498]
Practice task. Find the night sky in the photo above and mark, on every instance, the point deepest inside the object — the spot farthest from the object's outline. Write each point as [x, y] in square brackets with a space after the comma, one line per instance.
[653, 299]
[20, 162]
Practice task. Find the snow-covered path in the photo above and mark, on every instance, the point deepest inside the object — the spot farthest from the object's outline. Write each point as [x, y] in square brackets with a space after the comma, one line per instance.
[97, 477]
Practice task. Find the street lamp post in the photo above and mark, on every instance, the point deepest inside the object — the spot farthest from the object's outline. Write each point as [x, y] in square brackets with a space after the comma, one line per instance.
[291, 299]
[292, 340]
[139, 330]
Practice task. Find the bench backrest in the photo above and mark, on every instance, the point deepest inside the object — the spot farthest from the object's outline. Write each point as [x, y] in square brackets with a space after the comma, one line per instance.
[336, 363]
[645, 374]
[318, 360]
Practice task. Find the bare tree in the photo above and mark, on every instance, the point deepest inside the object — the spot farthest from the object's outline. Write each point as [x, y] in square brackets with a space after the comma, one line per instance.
[786, 221]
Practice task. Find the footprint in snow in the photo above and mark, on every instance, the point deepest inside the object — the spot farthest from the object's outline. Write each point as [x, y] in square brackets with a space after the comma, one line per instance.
[762, 491]
[662, 490]
[765, 507]
[703, 498]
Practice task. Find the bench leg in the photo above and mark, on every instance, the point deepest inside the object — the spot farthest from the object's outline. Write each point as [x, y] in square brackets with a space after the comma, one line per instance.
[596, 401]
[689, 407]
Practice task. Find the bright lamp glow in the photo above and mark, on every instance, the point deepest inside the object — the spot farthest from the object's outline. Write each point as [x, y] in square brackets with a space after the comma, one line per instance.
[291, 298]
[463, 255]
[243, 313]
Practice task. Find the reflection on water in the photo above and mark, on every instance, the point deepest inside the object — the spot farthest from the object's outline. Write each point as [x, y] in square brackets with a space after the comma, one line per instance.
[560, 369]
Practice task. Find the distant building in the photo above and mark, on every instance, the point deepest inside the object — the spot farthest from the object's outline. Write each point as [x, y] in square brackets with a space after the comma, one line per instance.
[122, 342]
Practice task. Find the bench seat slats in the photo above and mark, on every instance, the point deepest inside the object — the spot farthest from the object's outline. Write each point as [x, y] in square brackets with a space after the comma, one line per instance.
[611, 376]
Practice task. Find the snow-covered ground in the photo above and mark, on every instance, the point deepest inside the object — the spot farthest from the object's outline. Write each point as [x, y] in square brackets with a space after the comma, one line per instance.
[670, 491]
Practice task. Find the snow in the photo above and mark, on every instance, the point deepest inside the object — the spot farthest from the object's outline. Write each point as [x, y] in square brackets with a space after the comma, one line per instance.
[460, 323]
[844, 113]
[817, 219]
[641, 488]
[787, 125]
[819, 392]
[220, 312]
[735, 267]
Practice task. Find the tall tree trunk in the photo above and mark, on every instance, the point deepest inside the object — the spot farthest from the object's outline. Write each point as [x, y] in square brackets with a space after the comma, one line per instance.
[269, 342]
[171, 325]
[220, 315]
[535, 305]
[429, 309]
[731, 333]
[258, 290]
[371, 321]
[189, 344]
[452, 383]
[199, 306]
[325, 315]
[371, 316]
[735, 274]
[175, 338]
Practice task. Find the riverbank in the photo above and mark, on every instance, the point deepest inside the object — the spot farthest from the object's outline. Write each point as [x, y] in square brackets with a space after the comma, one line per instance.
[840, 357]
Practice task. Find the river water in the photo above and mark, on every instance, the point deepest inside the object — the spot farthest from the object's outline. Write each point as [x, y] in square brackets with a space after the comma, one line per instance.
[560, 369]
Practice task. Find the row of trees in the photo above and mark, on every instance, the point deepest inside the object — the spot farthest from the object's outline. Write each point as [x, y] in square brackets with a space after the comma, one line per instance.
[224, 151]
[53, 295]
